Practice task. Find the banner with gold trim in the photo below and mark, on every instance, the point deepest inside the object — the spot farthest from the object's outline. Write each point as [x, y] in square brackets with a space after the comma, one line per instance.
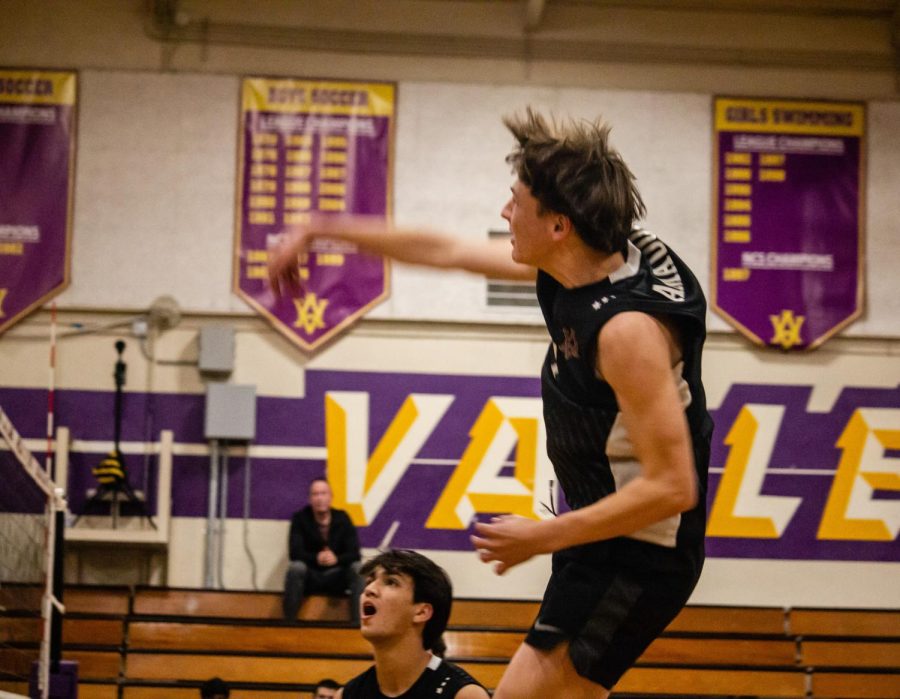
[37, 166]
[312, 145]
[787, 263]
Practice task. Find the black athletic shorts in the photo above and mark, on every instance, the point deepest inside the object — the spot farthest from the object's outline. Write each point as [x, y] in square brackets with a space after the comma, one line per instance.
[608, 613]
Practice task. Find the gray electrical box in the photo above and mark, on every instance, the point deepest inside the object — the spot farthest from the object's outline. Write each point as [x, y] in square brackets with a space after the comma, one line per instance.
[217, 348]
[230, 411]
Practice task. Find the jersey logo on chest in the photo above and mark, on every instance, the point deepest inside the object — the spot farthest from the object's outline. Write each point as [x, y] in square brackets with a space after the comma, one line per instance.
[569, 345]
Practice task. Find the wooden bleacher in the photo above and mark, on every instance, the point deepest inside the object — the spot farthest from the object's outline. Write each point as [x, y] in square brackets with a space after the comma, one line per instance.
[854, 653]
[150, 643]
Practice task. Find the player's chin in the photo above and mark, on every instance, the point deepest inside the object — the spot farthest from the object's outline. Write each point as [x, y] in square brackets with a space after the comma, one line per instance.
[368, 630]
[518, 256]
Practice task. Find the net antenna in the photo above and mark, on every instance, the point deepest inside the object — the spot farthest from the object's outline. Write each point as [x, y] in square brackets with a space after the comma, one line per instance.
[32, 512]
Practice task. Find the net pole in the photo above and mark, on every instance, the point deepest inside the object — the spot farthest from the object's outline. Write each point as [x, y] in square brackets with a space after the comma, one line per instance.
[47, 613]
[53, 608]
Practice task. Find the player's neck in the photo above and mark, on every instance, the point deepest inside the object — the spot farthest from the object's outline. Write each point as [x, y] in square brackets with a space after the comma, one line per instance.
[399, 663]
[577, 264]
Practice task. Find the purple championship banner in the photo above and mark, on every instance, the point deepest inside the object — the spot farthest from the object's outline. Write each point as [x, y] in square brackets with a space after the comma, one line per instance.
[312, 145]
[787, 263]
[416, 458]
[37, 153]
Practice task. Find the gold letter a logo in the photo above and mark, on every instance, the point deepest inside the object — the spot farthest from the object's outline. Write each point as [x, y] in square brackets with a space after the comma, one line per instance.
[787, 329]
[310, 313]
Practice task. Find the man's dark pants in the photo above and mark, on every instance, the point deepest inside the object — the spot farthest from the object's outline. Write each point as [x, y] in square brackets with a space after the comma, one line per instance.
[337, 580]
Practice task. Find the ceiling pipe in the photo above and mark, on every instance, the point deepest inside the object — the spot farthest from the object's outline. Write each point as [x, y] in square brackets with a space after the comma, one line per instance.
[168, 25]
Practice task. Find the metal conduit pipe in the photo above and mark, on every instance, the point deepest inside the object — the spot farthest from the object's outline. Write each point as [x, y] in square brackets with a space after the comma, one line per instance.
[167, 23]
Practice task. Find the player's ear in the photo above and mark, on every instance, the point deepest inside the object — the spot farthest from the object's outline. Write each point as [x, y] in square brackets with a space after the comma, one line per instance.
[562, 226]
[424, 611]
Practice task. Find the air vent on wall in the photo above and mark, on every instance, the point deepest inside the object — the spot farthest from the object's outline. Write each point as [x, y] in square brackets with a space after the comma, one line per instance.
[506, 294]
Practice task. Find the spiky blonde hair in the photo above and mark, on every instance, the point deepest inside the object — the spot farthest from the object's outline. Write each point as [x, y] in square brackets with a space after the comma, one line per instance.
[571, 169]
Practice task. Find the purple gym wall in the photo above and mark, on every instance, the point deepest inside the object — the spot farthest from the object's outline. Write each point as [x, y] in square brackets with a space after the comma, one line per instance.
[785, 482]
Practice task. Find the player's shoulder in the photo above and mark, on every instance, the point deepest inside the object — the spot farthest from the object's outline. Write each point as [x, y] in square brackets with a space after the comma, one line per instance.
[472, 691]
[357, 687]
[627, 329]
[454, 678]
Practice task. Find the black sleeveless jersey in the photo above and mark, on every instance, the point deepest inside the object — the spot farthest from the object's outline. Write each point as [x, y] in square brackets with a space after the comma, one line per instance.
[586, 442]
[440, 679]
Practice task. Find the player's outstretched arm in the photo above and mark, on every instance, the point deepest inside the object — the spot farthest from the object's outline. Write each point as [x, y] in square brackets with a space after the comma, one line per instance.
[375, 234]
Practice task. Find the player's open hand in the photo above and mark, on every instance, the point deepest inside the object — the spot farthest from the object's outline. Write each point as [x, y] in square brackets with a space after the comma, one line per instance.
[507, 541]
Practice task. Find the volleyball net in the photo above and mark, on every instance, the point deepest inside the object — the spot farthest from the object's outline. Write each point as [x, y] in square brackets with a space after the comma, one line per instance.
[30, 577]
